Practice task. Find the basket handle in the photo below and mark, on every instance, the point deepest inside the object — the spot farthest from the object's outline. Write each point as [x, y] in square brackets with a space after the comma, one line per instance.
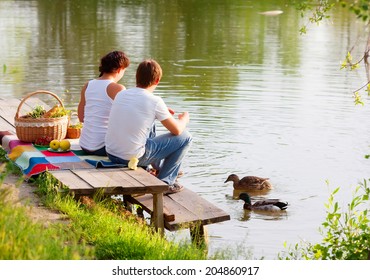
[34, 93]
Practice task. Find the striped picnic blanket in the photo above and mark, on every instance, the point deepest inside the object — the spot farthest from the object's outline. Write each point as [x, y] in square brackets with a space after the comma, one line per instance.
[33, 159]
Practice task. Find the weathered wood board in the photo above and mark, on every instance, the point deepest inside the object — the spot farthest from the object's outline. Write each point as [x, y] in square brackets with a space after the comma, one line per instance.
[187, 207]
[109, 180]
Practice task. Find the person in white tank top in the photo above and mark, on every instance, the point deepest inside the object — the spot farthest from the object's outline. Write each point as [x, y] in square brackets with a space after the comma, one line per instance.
[96, 100]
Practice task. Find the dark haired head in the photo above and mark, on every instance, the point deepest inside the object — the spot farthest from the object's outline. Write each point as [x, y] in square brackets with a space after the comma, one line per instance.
[113, 61]
[148, 73]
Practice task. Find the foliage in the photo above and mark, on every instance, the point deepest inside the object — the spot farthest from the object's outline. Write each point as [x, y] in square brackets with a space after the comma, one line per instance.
[361, 8]
[346, 235]
[319, 11]
[77, 125]
[36, 112]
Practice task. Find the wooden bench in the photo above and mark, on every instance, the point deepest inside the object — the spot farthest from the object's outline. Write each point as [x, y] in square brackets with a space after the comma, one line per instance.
[185, 209]
[116, 181]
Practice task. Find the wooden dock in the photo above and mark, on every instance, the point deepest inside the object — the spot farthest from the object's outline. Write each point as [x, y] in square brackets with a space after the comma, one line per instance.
[185, 209]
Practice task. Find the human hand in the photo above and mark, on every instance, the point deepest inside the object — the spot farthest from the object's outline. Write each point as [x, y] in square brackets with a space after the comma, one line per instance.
[172, 112]
[184, 117]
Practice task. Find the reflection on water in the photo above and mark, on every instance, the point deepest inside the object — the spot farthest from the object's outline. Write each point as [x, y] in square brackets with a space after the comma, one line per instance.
[264, 215]
[263, 100]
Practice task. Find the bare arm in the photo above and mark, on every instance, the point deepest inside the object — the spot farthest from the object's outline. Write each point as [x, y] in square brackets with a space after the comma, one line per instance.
[176, 127]
[113, 89]
[81, 105]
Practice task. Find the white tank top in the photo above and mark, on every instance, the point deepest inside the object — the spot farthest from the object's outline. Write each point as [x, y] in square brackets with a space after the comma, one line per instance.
[97, 108]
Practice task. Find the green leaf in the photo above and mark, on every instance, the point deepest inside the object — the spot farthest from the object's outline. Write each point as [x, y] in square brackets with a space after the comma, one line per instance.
[335, 191]
[303, 30]
[358, 99]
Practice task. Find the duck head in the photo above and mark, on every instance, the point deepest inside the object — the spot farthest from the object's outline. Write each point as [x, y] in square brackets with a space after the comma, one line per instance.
[232, 178]
[245, 197]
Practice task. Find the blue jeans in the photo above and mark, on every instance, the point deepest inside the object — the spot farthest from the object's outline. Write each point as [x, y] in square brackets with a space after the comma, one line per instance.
[100, 152]
[165, 153]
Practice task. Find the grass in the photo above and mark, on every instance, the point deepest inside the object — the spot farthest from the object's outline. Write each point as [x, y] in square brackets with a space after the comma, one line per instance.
[21, 239]
[114, 232]
[98, 228]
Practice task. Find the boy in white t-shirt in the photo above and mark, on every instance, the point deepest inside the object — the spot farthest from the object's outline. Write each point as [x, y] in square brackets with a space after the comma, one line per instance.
[131, 119]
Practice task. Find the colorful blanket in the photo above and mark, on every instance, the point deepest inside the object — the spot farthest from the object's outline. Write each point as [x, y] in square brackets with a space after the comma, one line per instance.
[33, 159]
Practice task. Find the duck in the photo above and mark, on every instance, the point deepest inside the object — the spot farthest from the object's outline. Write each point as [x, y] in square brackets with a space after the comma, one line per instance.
[251, 183]
[263, 205]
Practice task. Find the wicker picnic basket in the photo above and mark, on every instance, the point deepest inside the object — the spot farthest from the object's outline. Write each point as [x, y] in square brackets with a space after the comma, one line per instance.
[29, 129]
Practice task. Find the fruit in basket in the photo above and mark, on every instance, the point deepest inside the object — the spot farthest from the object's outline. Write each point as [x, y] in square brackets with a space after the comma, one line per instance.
[64, 145]
[43, 141]
[49, 113]
[37, 112]
[54, 144]
[57, 112]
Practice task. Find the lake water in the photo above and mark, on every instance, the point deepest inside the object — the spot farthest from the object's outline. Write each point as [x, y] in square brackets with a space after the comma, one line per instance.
[263, 99]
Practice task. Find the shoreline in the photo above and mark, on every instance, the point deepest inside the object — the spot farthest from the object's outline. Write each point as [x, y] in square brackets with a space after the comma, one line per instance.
[23, 195]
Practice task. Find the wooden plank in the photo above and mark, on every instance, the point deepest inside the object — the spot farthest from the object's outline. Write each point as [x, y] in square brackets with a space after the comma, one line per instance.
[188, 207]
[121, 181]
[112, 180]
[6, 126]
[99, 179]
[121, 175]
[73, 182]
[8, 108]
[199, 206]
[151, 181]
[139, 177]
[146, 202]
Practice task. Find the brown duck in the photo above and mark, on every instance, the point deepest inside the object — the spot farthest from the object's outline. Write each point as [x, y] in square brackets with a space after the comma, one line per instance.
[249, 183]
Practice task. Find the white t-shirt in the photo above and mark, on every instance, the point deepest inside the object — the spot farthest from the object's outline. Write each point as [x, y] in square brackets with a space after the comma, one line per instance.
[131, 118]
[97, 109]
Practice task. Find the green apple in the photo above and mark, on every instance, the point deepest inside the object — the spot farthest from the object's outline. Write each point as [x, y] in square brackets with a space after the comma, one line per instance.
[54, 144]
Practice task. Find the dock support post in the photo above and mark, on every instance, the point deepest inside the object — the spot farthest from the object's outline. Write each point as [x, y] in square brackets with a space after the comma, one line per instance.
[157, 216]
[198, 234]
